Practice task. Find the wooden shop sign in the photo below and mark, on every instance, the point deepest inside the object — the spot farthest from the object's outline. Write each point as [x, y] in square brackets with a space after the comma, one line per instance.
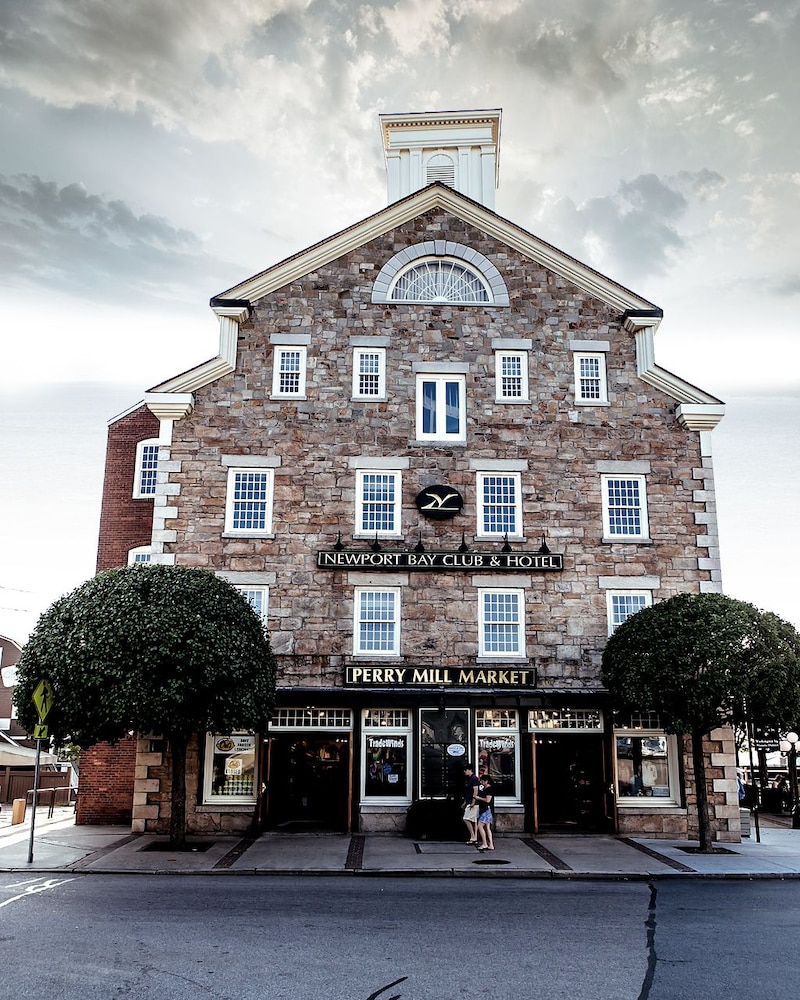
[513, 678]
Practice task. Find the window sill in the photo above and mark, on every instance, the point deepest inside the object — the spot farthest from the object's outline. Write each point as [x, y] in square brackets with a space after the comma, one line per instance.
[362, 658]
[278, 398]
[639, 807]
[369, 399]
[248, 534]
[592, 402]
[504, 661]
[623, 540]
[227, 806]
[438, 443]
[512, 402]
[377, 805]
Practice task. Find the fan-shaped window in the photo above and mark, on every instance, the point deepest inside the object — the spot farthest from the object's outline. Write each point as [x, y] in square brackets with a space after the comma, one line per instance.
[439, 280]
[441, 168]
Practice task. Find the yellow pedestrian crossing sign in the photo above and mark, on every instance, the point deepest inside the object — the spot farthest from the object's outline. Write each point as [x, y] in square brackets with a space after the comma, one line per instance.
[41, 732]
[43, 698]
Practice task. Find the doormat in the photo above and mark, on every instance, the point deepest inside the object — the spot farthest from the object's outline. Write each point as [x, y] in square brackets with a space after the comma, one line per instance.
[164, 846]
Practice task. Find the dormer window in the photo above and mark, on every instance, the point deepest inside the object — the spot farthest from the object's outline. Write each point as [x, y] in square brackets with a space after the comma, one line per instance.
[439, 279]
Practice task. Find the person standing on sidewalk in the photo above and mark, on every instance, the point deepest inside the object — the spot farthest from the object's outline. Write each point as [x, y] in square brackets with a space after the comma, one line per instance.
[470, 816]
[484, 798]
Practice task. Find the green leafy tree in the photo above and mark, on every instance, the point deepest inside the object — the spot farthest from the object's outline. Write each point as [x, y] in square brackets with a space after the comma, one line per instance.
[150, 649]
[703, 661]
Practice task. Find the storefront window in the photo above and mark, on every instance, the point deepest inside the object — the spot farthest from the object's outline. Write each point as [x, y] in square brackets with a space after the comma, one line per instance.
[646, 768]
[445, 748]
[230, 769]
[387, 738]
[497, 732]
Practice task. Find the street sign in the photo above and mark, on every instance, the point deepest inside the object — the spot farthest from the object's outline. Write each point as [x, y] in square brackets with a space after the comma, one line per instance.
[43, 699]
[41, 732]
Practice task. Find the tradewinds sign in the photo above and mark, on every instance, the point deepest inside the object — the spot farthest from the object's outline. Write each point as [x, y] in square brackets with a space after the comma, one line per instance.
[500, 562]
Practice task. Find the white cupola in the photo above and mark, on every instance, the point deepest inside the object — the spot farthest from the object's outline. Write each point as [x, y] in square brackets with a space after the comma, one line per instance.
[458, 148]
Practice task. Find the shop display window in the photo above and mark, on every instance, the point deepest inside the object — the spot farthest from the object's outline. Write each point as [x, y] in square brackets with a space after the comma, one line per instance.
[230, 769]
[386, 755]
[444, 749]
[497, 732]
[646, 768]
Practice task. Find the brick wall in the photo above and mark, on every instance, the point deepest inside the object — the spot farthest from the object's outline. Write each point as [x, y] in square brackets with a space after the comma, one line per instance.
[125, 522]
[106, 783]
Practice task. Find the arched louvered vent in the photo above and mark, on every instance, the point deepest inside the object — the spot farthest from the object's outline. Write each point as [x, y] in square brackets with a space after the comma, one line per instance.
[441, 168]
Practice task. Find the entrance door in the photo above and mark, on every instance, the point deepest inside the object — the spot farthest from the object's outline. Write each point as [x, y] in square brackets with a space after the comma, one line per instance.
[309, 782]
[570, 781]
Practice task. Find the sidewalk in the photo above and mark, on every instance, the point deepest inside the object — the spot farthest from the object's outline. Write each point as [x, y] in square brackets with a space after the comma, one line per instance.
[61, 846]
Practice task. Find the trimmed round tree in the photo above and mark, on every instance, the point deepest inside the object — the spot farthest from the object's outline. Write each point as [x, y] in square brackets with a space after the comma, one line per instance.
[150, 649]
[703, 661]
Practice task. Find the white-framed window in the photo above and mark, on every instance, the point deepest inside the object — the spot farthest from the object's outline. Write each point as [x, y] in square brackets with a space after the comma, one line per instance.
[501, 623]
[624, 508]
[498, 738]
[369, 373]
[230, 769]
[140, 556]
[258, 598]
[439, 279]
[441, 408]
[144, 481]
[590, 378]
[621, 604]
[444, 746]
[499, 504]
[386, 761]
[376, 630]
[378, 502]
[248, 510]
[646, 768]
[289, 372]
[511, 376]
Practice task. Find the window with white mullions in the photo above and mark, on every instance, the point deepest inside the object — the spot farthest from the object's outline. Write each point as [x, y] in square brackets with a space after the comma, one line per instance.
[377, 624]
[289, 374]
[249, 504]
[379, 503]
[624, 507]
[146, 474]
[258, 598]
[624, 603]
[499, 505]
[441, 411]
[590, 378]
[439, 280]
[501, 623]
[369, 373]
[511, 375]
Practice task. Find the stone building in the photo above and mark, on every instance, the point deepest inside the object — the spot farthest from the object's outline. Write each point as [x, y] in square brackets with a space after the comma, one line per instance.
[439, 457]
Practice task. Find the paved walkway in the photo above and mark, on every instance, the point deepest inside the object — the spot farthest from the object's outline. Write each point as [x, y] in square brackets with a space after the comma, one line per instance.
[60, 845]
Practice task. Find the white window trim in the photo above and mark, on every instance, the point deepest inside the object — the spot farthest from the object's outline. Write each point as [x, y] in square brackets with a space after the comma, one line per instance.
[140, 550]
[371, 653]
[611, 594]
[499, 356]
[441, 379]
[358, 353]
[279, 351]
[209, 798]
[602, 399]
[246, 590]
[479, 502]
[266, 531]
[491, 654]
[644, 535]
[488, 732]
[137, 475]
[408, 732]
[397, 531]
[437, 260]
[647, 801]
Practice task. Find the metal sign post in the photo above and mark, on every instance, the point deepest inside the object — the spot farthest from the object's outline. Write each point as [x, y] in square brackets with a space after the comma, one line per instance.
[43, 701]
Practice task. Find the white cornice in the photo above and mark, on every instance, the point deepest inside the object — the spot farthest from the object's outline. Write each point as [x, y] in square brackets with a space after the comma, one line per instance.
[700, 417]
[169, 405]
[432, 197]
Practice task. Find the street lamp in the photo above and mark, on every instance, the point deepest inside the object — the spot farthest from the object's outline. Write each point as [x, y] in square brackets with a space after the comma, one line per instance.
[789, 745]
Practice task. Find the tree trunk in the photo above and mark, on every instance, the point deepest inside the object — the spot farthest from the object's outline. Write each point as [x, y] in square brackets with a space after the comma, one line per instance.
[701, 793]
[177, 821]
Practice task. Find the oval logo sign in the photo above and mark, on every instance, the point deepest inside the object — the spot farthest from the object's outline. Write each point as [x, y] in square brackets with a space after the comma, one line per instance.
[456, 750]
[439, 502]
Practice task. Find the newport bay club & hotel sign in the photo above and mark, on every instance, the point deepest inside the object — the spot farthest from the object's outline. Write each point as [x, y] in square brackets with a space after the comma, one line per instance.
[509, 562]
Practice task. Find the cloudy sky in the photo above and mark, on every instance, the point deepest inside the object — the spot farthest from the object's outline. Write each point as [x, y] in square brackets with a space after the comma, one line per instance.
[155, 153]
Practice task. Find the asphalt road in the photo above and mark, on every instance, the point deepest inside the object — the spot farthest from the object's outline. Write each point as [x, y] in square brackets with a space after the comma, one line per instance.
[251, 938]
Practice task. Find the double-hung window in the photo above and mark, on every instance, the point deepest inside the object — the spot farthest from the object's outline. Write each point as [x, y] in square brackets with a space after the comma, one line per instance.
[376, 629]
[511, 376]
[441, 408]
[621, 604]
[248, 510]
[624, 508]
[590, 378]
[258, 597]
[499, 505]
[502, 623]
[378, 502]
[140, 556]
[369, 373]
[289, 372]
[144, 483]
